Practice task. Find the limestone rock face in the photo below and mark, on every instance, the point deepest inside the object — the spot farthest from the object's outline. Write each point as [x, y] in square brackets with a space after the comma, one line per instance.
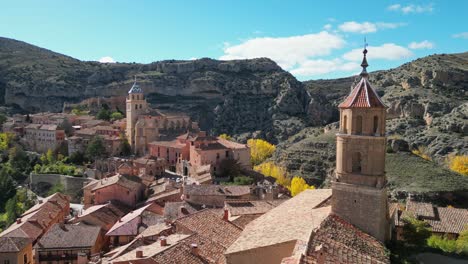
[232, 97]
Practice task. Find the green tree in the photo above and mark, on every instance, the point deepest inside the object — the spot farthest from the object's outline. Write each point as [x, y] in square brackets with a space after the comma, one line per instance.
[7, 188]
[77, 158]
[66, 126]
[6, 141]
[125, 147]
[116, 116]
[415, 231]
[462, 242]
[55, 189]
[96, 148]
[225, 136]
[19, 163]
[229, 168]
[3, 118]
[104, 114]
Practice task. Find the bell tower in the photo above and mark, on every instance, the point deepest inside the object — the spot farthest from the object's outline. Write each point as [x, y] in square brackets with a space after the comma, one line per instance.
[136, 105]
[359, 188]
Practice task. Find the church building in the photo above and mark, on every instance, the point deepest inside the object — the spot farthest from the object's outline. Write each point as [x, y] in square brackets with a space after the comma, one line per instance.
[145, 125]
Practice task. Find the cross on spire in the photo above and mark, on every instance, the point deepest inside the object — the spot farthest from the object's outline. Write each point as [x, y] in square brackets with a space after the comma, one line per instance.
[364, 63]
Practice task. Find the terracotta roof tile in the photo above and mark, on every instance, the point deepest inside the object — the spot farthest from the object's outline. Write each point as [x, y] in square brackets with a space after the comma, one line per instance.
[216, 190]
[13, 244]
[362, 96]
[340, 242]
[69, 236]
[209, 224]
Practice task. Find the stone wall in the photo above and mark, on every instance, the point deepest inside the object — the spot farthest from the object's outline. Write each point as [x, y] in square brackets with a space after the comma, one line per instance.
[72, 185]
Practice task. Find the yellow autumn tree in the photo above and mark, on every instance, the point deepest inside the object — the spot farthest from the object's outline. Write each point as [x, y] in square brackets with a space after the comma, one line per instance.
[275, 171]
[459, 164]
[298, 185]
[260, 150]
[225, 136]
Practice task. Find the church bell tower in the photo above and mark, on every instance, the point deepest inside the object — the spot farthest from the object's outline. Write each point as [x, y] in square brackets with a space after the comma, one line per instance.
[359, 188]
[136, 105]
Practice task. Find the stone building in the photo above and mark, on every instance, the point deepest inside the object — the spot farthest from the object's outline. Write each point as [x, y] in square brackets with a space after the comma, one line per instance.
[359, 190]
[41, 138]
[145, 125]
[15, 250]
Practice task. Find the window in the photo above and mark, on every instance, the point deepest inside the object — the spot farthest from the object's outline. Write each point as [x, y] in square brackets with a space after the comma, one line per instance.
[25, 258]
[376, 124]
[217, 155]
[227, 154]
[356, 160]
[345, 124]
[136, 107]
[359, 125]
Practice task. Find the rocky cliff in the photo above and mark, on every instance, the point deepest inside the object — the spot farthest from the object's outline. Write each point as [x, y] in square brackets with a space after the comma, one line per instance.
[236, 97]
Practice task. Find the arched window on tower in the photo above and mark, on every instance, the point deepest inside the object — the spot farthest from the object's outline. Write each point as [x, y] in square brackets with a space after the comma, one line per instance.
[356, 160]
[136, 107]
[345, 124]
[376, 125]
[133, 96]
[359, 125]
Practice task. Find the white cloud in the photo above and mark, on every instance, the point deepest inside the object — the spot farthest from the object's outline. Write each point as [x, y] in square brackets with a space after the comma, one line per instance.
[421, 45]
[411, 8]
[367, 27]
[316, 67]
[288, 52]
[463, 35]
[388, 51]
[106, 59]
[355, 27]
[327, 27]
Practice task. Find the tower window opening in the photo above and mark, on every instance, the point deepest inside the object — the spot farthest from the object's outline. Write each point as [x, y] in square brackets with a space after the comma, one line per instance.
[359, 125]
[345, 124]
[376, 124]
[356, 162]
[136, 107]
[133, 97]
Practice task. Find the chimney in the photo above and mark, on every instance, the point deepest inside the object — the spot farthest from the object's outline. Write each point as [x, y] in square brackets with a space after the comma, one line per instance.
[82, 258]
[226, 214]
[139, 254]
[163, 241]
[195, 250]
[18, 220]
[183, 211]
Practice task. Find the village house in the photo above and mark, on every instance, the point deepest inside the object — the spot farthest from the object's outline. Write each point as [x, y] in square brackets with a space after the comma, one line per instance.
[215, 195]
[127, 190]
[147, 168]
[33, 223]
[41, 138]
[16, 250]
[67, 243]
[444, 221]
[103, 215]
[81, 138]
[133, 223]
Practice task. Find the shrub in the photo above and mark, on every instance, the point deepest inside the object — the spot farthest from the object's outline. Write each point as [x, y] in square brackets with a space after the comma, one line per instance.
[415, 231]
[260, 150]
[298, 185]
[225, 136]
[459, 164]
[442, 243]
[422, 152]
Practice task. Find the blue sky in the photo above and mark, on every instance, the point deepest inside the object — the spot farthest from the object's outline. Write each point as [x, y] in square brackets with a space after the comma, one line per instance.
[311, 39]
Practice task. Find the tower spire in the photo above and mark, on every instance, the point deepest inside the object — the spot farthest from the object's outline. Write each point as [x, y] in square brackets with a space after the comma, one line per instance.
[364, 64]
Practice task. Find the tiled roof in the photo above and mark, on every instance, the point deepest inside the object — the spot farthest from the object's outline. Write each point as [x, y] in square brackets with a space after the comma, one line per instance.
[362, 96]
[128, 253]
[293, 220]
[69, 236]
[121, 180]
[208, 252]
[441, 219]
[154, 230]
[216, 190]
[210, 225]
[340, 242]
[169, 144]
[231, 144]
[104, 215]
[243, 220]
[212, 146]
[13, 244]
[128, 225]
[243, 207]
[38, 218]
[172, 210]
